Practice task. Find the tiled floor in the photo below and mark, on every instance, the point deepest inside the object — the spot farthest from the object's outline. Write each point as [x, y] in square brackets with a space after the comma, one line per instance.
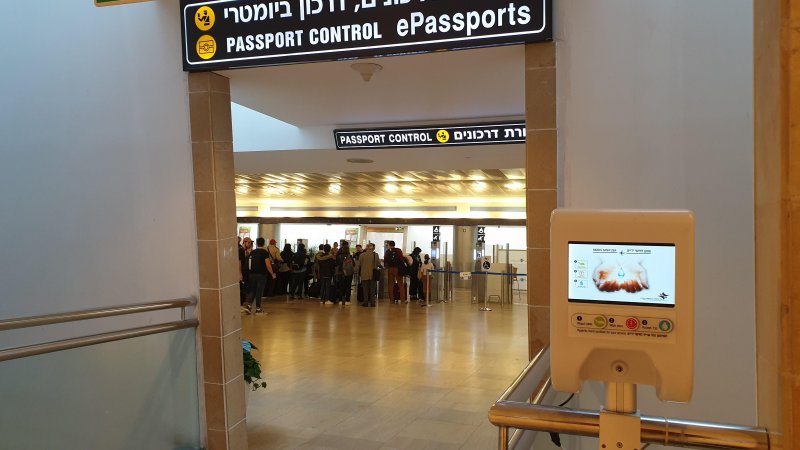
[391, 377]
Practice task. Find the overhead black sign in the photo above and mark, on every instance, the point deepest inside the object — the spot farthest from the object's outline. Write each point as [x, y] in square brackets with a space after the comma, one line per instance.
[481, 234]
[245, 33]
[436, 233]
[438, 136]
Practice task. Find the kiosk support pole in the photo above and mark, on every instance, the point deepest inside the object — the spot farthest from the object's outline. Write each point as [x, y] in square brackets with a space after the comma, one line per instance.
[620, 424]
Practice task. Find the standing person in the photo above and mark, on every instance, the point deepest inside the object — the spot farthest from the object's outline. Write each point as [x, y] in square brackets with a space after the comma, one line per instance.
[359, 251]
[260, 274]
[299, 265]
[345, 267]
[284, 271]
[395, 264]
[426, 266]
[321, 252]
[326, 264]
[244, 269]
[413, 273]
[275, 257]
[335, 295]
[356, 278]
[367, 268]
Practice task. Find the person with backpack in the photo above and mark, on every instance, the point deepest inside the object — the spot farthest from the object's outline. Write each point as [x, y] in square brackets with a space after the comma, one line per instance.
[299, 266]
[345, 267]
[395, 263]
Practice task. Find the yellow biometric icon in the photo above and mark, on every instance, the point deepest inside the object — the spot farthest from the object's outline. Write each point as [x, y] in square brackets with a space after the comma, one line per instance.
[206, 47]
[204, 18]
[442, 136]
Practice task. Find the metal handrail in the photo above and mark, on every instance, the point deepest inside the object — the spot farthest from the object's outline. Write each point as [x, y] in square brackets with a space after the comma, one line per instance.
[533, 416]
[66, 344]
[523, 379]
[83, 341]
[655, 430]
[50, 319]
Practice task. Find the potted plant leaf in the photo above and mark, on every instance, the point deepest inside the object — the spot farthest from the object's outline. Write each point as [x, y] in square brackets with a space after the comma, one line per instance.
[252, 368]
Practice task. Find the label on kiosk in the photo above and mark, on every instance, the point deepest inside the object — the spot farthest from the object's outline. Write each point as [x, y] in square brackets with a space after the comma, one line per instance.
[622, 299]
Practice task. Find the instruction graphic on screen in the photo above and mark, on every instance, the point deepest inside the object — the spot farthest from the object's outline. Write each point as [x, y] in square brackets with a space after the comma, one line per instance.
[614, 273]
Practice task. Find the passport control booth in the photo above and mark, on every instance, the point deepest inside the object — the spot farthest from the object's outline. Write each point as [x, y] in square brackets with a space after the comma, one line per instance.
[622, 310]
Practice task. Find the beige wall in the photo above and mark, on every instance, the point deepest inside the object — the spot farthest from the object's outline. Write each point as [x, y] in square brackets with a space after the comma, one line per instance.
[215, 209]
[777, 208]
[541, 190]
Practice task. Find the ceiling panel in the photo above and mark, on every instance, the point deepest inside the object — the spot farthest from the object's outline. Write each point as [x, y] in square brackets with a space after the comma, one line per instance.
[479, 186]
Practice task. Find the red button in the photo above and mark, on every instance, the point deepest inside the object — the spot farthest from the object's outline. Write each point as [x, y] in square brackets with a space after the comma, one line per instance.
[632, 323]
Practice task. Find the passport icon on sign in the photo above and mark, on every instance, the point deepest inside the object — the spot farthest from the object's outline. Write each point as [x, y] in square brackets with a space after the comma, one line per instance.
[205, 47]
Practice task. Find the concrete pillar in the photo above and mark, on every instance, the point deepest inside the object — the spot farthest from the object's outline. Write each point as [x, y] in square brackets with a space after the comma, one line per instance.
[218, 257]
[777, 217]
[541, 164]
[464, 238]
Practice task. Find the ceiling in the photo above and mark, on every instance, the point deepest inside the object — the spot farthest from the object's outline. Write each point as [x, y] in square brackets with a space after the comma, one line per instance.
[474, 194]
[442, 87]
[452, 85]
[420, 187]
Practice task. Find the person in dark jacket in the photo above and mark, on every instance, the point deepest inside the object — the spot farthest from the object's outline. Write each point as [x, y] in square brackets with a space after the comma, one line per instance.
[261, 275]
[345, 267]
[284, 271]
[299, 266]
[327, 265]
[414, 289]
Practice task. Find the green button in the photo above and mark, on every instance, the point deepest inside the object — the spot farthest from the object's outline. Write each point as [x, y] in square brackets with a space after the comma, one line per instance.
[665, 325]
[600, 322]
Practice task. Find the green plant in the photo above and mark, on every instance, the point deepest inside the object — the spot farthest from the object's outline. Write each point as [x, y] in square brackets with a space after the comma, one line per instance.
[252, 368]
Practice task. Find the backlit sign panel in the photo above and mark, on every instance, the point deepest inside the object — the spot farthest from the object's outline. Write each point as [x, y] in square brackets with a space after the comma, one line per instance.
[245, 33]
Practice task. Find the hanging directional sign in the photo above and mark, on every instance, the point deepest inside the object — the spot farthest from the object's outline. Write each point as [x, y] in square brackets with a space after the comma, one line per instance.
[225, 34]
[494, 133]
[436, 233]
[481, 234]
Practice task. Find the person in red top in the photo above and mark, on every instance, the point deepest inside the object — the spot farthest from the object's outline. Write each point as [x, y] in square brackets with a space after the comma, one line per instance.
[393, 261]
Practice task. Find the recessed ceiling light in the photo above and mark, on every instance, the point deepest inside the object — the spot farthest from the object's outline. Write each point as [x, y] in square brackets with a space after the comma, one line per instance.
[390, 187]
[360, 161]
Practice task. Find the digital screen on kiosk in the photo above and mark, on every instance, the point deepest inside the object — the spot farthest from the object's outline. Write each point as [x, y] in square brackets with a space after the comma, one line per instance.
[622, 273]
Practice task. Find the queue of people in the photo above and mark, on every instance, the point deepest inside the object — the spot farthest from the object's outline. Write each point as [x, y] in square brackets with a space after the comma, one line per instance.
[329, 274]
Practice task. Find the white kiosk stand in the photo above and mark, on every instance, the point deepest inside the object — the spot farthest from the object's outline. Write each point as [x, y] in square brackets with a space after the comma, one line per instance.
[622, 310]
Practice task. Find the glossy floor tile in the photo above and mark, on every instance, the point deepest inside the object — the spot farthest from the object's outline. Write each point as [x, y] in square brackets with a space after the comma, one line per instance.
[391, 377]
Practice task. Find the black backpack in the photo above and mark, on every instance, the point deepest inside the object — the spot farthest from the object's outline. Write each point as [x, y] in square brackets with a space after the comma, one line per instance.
[299, 262]
[403, 268]
[391, 258]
